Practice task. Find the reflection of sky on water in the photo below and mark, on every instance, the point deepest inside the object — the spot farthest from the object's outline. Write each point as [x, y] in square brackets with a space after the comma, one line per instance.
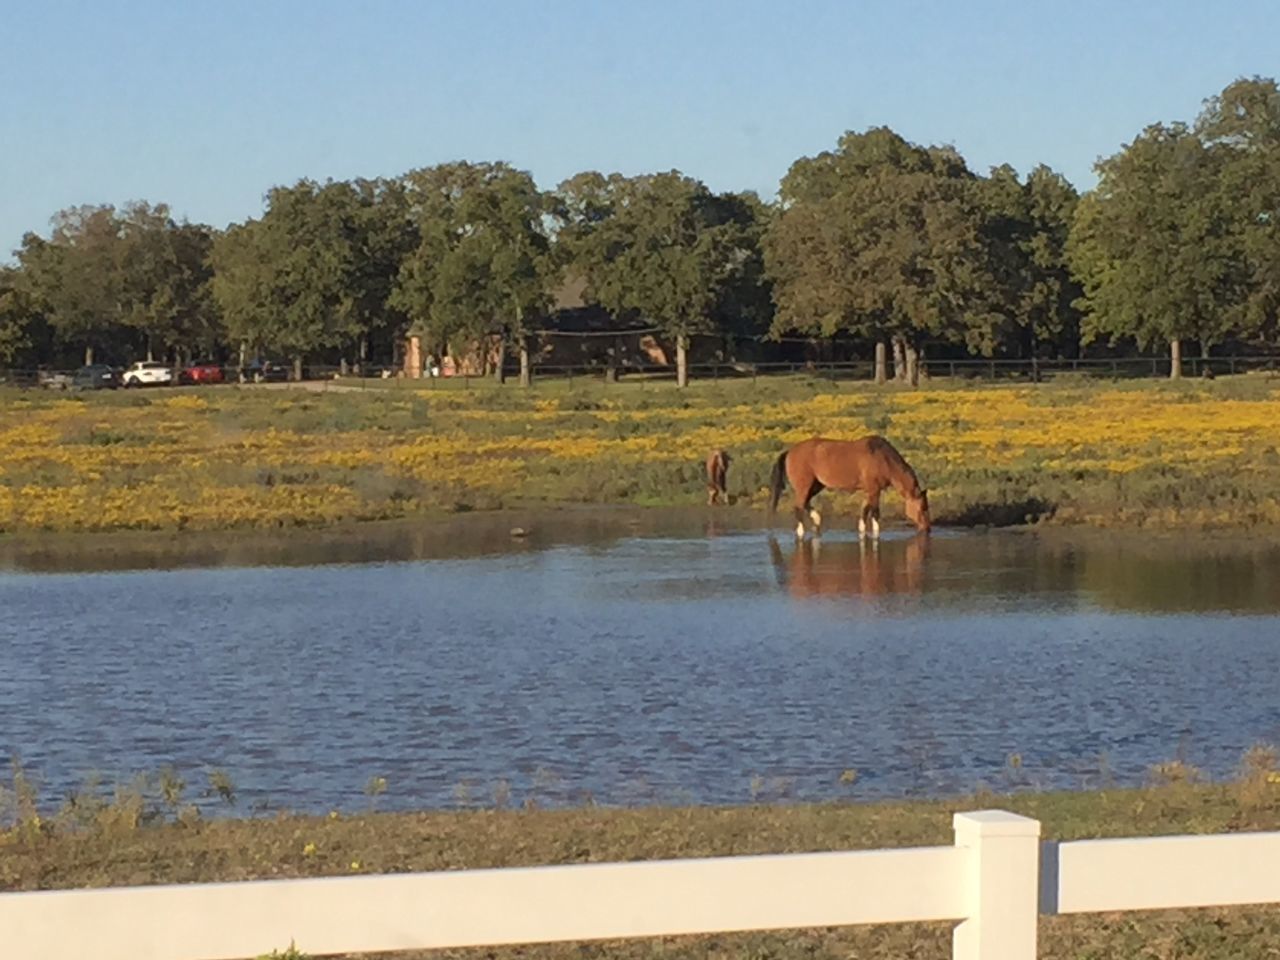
[649, 669]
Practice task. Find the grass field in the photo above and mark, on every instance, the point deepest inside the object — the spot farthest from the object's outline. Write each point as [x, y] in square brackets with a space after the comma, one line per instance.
[1141, 453]
[128, 840]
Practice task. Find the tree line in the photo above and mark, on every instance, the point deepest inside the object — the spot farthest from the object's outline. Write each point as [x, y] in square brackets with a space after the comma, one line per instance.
[882, 244]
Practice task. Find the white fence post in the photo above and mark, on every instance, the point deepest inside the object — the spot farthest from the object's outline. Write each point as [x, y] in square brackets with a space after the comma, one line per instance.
[1003, 886]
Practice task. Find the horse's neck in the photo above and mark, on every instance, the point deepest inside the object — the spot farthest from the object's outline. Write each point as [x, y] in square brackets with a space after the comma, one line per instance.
[905, 482]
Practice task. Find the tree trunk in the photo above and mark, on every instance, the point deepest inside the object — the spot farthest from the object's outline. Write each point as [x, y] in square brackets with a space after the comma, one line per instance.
[342, 366]
[500, 362]
[882, 363]
[526, 369]
[913, 364]
[899, 360]
[1175, 358]
[297, 368]
[682, 361]
[150, 353]
[88, 356]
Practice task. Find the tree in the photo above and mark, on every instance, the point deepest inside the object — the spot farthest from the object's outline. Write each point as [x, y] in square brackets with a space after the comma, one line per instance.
[1241, 130]
[18, 316]
[883, 239]
[1026, 226]
[74, 278]
[483, 266]
[664, 249]
[385, 236]
[298, 279]
[165, 279]
[1153, 245]
[119, 279]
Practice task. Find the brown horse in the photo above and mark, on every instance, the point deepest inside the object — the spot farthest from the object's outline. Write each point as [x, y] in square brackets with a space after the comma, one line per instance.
[870, 464]
[717, 470]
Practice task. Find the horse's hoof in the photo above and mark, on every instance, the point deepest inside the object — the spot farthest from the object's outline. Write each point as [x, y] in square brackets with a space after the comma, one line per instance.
[799, 531]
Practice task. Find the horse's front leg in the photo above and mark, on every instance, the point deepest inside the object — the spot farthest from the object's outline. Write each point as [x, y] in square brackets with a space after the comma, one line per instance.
[870, 519]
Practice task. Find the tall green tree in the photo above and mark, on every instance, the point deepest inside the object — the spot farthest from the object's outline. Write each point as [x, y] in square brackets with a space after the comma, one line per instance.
[165, 277]
[122, 279]
[74, 277]
[883, 239]
[1154, 246]
[385, 235]
[665, 249]
[1240, 128]
[1027, 225]
[483, 266]
[18, 316]
[299, 279]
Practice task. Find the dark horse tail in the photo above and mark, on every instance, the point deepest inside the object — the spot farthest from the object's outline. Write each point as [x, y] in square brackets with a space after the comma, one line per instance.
[778, 481]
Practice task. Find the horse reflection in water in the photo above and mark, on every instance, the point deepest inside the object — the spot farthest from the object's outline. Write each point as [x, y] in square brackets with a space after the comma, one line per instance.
[858, 569]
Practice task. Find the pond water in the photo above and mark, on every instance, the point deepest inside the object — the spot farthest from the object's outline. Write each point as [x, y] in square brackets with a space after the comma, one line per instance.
[694, 663]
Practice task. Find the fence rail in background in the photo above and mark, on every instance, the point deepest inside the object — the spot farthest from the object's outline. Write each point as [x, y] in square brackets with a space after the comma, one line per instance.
[995, 880]
[835, 372]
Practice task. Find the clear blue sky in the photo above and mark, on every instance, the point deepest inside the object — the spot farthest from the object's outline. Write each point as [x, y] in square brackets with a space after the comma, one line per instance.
[206, 105]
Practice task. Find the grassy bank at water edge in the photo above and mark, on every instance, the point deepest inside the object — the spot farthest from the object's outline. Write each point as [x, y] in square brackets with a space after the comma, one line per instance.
[119, 842]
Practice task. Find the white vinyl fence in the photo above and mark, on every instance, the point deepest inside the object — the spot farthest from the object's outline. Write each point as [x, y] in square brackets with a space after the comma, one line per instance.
[995, 880]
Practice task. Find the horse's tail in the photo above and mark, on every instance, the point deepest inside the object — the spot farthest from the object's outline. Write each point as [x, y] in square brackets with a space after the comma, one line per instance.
[777, 481]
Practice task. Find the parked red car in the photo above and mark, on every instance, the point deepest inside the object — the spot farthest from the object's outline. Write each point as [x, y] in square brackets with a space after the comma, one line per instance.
[202, 371]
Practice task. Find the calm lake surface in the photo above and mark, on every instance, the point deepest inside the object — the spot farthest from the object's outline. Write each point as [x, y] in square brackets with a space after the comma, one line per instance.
[694, 662]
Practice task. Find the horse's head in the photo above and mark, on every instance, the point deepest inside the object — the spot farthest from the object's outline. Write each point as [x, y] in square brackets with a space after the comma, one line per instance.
[917, 509]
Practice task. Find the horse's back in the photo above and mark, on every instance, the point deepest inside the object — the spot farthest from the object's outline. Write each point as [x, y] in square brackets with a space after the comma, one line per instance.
[866, 462]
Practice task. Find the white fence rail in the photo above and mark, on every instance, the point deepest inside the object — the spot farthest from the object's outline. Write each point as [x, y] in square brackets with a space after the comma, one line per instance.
[993, 880]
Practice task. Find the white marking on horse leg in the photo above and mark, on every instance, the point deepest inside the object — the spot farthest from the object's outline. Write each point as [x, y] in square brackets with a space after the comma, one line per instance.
[816, 517]
[862, 527]
[875, 529]
[800, 530]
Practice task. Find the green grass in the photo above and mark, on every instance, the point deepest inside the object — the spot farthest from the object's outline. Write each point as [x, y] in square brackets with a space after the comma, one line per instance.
[122, 846]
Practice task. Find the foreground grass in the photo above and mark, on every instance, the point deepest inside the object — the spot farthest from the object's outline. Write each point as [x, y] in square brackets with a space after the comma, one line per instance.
[116, 850]
[1144, 453]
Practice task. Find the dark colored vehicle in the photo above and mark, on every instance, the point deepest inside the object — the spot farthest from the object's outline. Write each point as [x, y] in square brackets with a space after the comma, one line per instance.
[97, 376]
[202, 371]
[263, 371]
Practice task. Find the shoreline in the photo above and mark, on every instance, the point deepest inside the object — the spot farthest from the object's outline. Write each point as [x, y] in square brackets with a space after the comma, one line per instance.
[446, 536]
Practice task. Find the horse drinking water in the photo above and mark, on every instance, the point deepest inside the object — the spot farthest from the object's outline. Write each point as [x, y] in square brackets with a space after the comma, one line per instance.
[870, 464]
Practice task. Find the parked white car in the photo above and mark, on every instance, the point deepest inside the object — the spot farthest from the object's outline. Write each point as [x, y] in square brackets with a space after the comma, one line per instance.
[147, 373]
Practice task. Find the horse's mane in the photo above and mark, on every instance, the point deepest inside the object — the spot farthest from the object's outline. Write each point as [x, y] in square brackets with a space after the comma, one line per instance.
[907, 484]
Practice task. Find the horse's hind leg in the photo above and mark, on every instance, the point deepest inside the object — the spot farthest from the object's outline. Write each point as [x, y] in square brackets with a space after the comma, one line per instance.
[815, 517]
[812, 488]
